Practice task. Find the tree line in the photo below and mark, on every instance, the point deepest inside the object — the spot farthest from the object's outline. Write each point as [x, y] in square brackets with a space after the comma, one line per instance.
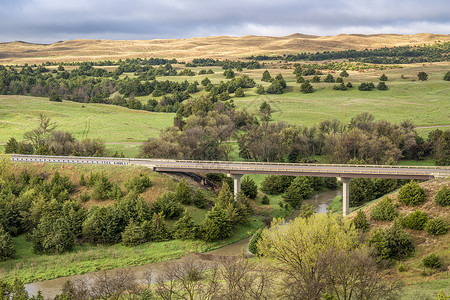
[395, 55]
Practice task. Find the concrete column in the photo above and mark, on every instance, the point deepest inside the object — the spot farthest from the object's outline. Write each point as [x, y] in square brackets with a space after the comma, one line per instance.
[237, 182]
[345, 195]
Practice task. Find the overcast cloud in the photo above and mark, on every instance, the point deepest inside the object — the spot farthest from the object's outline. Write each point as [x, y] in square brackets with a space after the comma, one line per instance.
[48, 21]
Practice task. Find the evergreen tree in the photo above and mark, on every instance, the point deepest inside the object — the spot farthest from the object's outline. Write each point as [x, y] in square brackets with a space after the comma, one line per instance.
[239, 92]
[329, 78]
[300, 189]
[266, 76]
[344, 73]
[306, 87]
[248, 187]
[225, 196]
[185, 228]
[382, 86]
[6, 246]
[447, 76]
[133, 234]
[183, 193]
[383, 77]
[52, 236]
[205, 81]
[260, 89]
[315, 79]
[300, 79]
[216, 225]
[12, 146]
[156, 229]
[422, 76]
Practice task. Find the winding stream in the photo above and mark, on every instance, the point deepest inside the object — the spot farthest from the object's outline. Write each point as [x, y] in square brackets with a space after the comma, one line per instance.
[50, 288]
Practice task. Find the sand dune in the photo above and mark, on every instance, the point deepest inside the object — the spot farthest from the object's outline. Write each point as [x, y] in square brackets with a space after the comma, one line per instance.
[220, 47]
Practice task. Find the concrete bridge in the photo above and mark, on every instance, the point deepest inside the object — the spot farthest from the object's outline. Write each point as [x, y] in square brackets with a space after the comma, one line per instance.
[236, 170]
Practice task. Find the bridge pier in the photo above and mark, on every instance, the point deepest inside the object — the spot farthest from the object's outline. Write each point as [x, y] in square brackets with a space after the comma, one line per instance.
[237, 183]
[345, 195]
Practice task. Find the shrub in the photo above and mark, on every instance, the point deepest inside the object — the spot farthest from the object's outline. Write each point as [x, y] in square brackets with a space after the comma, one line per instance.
[415, 220]
[183, 193]
[366, 86]
[253, 244]
[265, 200]
[167, 206]
[249, 188]
[306, 87]
[447, 76]
[392, 243]
[383, 77]
[199, 200]
[422, 76]
[6, 246]
[329, 78]
[384, 210]
[432, 261]
[138, 183]
[360, 221]
[239, 92]
[216, 225]
[133, 234]
[411, 194]
[185, 228]
[443, 197]
[436, 226]
[382, 86]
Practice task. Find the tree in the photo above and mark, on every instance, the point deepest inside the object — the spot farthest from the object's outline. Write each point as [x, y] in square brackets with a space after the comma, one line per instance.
[266, 76]
[391, 243]
[300, 79]
[442, 197]
[216, 225]
[260, 89]
[239, 92]
[12, 146]
[7, 250]
[265, 111]
[383, 77]
[299, 246]
[248, 187]
[422, 76]
[315, 79]
[225, 196]
[229, 74]
[275, 88]
[382, 86]
[299, 190]
[329, 78]
[360, 221]
[344, 73]
[52, 236]
[54, 96]
[306, 87]
[185, 228]
[415, 220]
[133, 234]
[384, 210]
[411, 194]
[339, 80]
[183, 193]
[205, 81]
[447, 76]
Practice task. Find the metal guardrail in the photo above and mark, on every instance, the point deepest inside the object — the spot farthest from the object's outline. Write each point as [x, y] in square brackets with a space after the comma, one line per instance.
[240, 166]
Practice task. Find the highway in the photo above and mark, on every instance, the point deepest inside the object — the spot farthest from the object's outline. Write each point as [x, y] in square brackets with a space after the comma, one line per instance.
[241, 168]
[236, 170]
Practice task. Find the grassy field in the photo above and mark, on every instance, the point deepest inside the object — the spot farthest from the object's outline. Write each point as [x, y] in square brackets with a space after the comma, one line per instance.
[123, 130]
[120, 128]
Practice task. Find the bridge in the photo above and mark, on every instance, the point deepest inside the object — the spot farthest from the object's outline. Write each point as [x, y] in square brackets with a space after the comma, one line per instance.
[236, 170]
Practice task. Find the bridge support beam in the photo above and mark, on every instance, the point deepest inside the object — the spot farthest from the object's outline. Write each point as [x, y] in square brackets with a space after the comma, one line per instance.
[345, 195]
[237, 183]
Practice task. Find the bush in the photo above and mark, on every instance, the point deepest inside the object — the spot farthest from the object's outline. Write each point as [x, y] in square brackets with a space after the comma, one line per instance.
[167, 205]
[411, 194]
[216, 225]
[306, 87]
[443, 197]
[383, 77]
[447, 76]
[392, 243]
[239, 92]
[199, 200]
[360, 221]
[384, 210]
[432, 261]
[366, 86]
[422, 76]
[265, 200]
[415, 220]
[382, 86]
[252, 245]
[249, 188]
[6, 246]
[133, 234]
[185, 228]
[138, 183]
[436, 226]
[300, 189]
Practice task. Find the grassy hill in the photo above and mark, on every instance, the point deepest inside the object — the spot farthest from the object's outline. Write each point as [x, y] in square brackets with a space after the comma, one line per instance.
[222, 47]
[421, 282]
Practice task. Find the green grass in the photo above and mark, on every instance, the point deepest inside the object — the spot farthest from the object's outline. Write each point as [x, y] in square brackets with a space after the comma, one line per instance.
[30, 267]
[426, 290]
[113, 124]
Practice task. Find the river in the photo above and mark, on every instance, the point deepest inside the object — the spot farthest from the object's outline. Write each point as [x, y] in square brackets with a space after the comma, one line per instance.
[50, 288]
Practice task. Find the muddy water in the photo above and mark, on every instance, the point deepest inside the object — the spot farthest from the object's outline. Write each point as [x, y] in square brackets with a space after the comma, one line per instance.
[50, 288]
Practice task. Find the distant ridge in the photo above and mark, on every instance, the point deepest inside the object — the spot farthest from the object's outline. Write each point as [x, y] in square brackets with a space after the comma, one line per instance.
[219, 47]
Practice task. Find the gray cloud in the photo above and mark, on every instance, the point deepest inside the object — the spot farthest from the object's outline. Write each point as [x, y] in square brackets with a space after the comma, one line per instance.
[53, 20]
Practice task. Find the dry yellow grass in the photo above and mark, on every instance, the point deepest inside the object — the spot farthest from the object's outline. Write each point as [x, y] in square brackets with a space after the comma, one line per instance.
[219, 47]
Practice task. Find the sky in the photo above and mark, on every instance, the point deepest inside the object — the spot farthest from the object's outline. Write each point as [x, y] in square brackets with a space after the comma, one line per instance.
[47, 21]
